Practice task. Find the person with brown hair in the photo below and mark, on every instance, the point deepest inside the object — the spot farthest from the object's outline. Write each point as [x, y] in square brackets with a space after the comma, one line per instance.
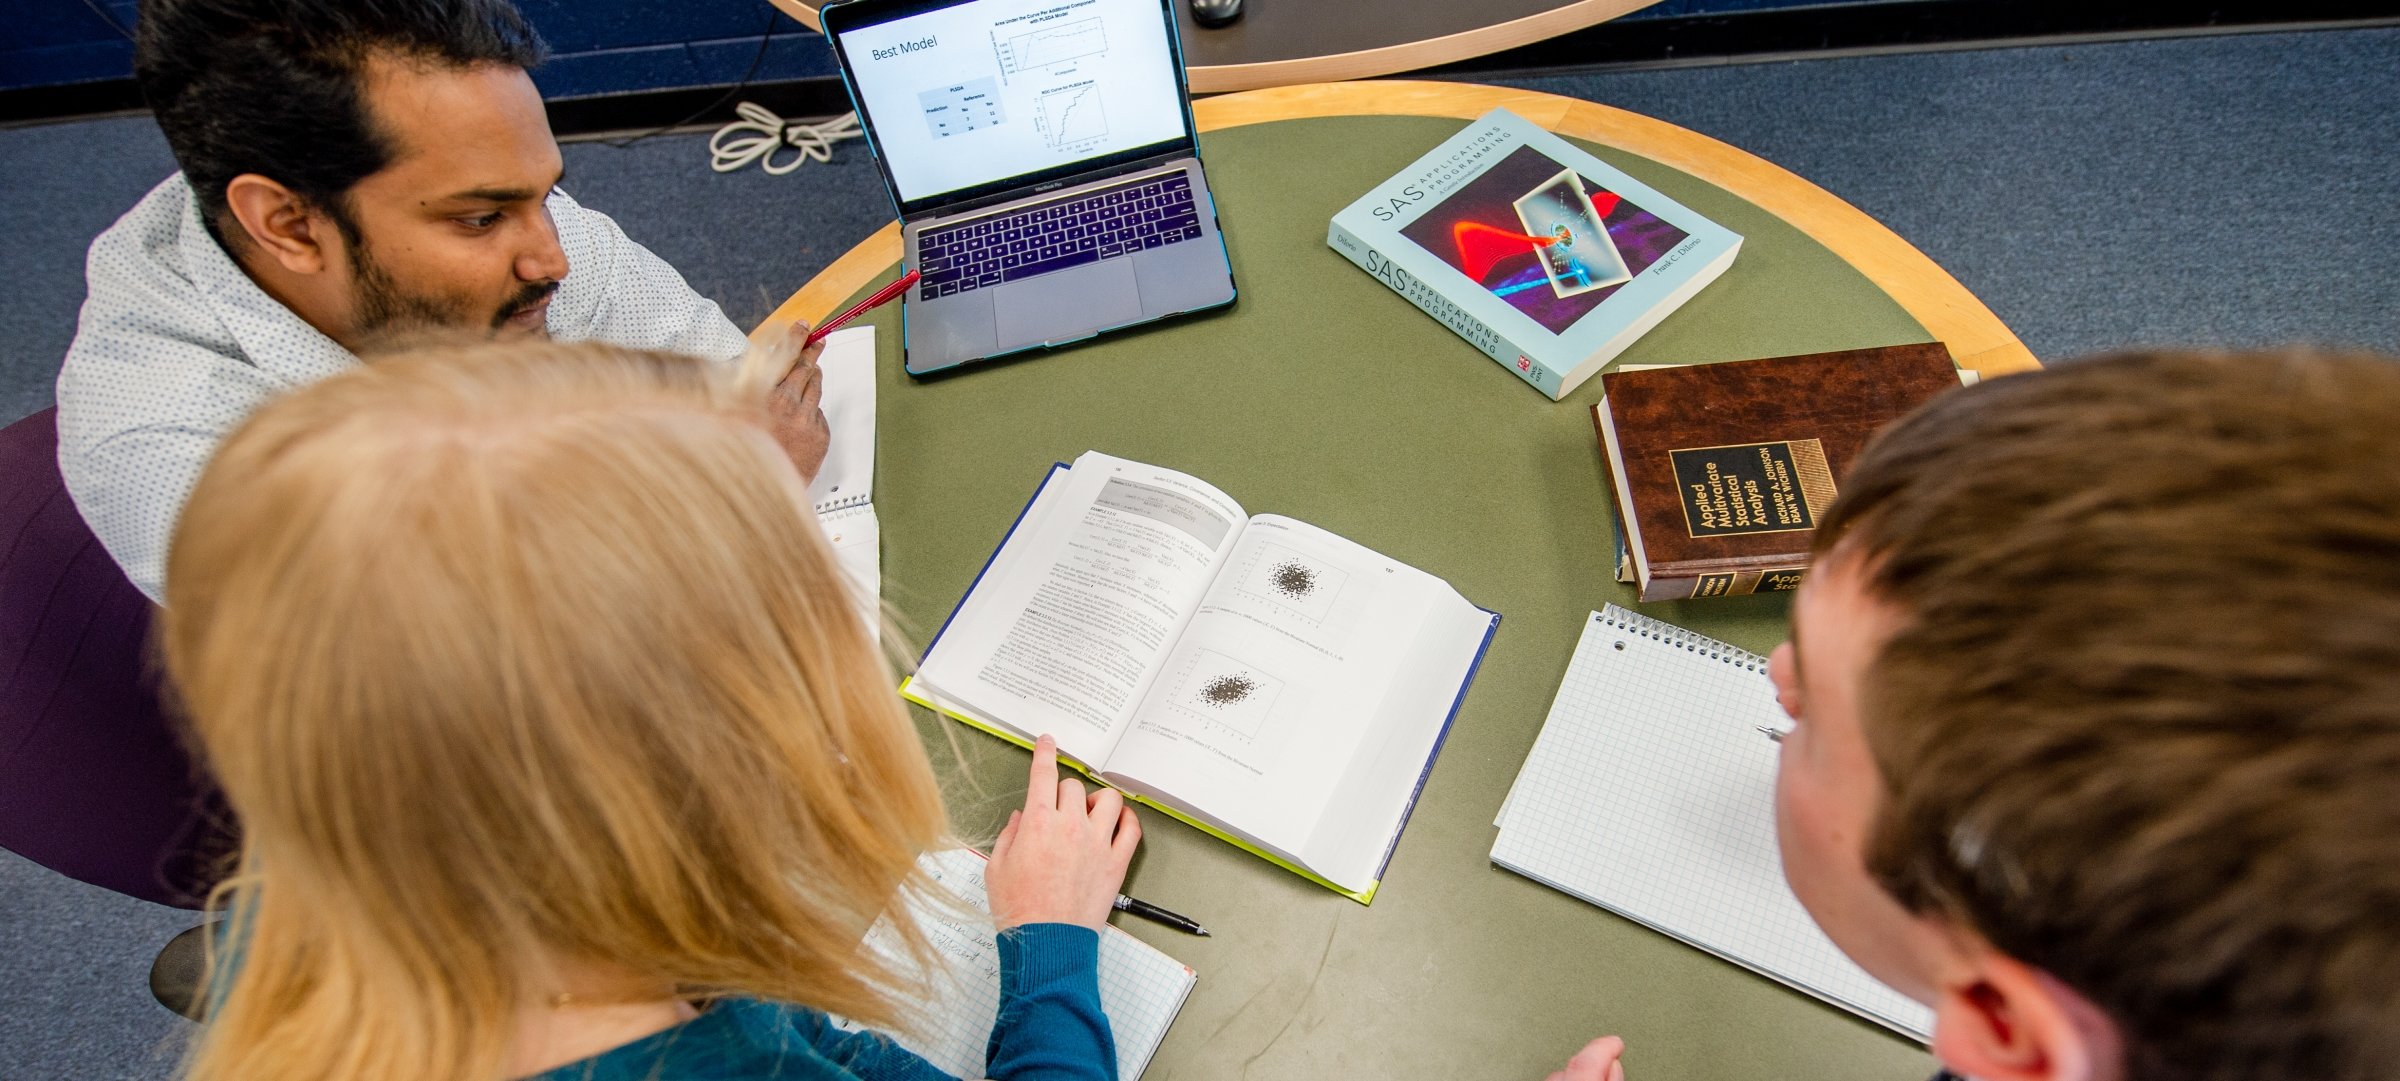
[2095, 687]
[561, 748]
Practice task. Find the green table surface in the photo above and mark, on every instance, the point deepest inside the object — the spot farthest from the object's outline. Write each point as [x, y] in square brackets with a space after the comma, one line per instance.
[1324, 396]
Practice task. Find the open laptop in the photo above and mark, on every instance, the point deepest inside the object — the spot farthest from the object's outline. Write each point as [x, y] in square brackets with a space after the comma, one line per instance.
[1042, 157]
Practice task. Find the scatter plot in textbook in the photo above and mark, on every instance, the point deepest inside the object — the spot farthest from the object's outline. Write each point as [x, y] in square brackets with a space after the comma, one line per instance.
[1298, 585]
[1072, 117]
[965, 107]
[1234, 697]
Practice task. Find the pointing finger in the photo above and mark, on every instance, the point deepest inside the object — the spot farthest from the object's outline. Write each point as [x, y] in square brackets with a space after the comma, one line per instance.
[1041, 788]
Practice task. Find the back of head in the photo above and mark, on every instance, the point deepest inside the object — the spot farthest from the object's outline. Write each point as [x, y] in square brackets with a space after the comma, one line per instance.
[2140, 726]
[274, 87]
[508, 652]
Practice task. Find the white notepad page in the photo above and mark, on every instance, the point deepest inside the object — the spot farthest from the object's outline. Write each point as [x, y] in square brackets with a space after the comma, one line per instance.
[1141, 989]
[1650, 793]
[843, 492]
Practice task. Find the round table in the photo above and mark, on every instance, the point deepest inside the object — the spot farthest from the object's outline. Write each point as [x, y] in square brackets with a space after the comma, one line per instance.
[1322, 395]
[1285, 42]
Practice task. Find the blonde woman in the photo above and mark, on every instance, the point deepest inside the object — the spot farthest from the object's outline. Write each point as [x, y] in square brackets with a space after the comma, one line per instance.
[560, 749]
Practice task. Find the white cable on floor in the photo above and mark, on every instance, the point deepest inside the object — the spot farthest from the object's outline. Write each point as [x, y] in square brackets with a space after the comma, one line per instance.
[760, 133]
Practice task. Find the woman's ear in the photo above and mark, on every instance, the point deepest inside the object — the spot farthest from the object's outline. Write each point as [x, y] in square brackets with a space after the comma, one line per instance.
[2004, 1020]
[278, 223]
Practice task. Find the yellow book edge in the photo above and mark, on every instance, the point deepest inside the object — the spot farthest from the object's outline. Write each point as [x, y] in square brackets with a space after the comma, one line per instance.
[1362, 896]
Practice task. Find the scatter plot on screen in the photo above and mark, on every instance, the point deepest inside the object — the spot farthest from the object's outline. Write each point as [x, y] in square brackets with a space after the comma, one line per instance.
[1297, 584]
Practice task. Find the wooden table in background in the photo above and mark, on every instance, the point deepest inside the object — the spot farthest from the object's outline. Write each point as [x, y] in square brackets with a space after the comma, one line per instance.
[1286, 42]
[1976, 337]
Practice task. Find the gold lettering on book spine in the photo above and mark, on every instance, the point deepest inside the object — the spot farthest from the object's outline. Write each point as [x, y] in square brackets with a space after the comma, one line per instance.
[1816, 477]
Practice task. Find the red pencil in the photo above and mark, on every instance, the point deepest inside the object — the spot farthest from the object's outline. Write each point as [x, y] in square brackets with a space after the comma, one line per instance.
[882, 296]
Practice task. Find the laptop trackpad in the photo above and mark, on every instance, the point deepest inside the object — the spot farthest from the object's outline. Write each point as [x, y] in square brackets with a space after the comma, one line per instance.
[1068, 304]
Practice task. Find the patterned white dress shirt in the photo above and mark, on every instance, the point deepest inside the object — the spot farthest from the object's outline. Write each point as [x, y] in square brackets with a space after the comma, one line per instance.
[176, 345]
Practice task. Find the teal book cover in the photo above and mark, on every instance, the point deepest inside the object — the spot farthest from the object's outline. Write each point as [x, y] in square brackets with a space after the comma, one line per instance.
[1539, 254]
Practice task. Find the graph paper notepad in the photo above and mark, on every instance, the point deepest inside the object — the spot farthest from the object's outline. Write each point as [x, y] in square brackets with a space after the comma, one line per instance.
[1140, 988]
[843, 494]
[1651, 793]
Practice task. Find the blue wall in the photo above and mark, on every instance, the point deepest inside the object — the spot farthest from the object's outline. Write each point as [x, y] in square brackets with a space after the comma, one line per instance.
[597, 46]
[52, 42]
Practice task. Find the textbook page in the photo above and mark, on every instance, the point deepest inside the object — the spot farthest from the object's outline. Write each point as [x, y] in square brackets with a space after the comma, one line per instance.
[1367, 809]
[1141, 989]
[1278, 683]
[1068, 625]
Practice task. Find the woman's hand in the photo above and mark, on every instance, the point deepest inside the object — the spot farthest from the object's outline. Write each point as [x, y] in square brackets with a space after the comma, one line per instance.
[1062, 858]
[1596, 1062]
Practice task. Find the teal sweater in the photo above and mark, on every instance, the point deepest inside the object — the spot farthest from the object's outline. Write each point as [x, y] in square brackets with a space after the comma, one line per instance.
[1050, 1029]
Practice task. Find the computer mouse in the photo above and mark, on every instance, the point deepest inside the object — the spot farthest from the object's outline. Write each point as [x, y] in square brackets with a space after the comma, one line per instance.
[1215, 13]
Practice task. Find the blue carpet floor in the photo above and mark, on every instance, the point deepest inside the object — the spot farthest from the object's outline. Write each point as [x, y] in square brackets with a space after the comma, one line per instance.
[2229, 190]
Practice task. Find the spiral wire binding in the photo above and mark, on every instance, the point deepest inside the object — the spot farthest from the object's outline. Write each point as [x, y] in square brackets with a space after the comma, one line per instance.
[1687, 640]
[760, 133]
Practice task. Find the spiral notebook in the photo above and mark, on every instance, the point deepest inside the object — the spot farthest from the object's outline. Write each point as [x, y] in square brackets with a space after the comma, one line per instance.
[1141, 988]
[1651, 793]
[843, 495]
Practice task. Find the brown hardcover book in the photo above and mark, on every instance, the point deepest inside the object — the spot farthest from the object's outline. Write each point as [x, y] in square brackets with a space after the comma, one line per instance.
[1722, 470]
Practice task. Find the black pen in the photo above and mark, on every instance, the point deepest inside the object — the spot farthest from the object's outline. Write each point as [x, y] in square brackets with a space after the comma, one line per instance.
[1155, 914]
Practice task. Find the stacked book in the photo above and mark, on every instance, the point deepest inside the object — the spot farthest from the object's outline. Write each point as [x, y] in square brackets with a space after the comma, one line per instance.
[1721, 472]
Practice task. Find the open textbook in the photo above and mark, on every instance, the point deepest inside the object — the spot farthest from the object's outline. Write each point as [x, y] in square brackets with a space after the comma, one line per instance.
[843, 493]
[1141, 989]
[1262, 679]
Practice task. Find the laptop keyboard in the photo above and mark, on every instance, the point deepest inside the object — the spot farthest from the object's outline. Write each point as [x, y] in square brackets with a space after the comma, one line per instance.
[1085, 228]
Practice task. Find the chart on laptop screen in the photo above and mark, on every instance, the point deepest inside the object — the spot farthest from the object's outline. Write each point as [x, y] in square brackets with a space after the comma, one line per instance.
[990, 89]
[1036, 51]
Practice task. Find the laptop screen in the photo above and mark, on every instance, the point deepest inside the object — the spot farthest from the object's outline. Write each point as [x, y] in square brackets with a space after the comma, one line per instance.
[978, 92]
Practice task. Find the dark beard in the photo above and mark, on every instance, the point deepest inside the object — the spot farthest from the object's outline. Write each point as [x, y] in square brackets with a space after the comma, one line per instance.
[386, 311]
[383, 309]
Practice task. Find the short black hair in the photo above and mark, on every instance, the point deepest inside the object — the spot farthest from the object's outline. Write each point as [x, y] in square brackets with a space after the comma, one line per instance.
[273, 87]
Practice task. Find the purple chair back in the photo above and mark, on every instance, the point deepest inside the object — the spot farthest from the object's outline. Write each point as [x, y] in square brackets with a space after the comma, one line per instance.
[94, 782]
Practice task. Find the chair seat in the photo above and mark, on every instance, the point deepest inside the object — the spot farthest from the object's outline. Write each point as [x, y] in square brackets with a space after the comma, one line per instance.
[94, 781]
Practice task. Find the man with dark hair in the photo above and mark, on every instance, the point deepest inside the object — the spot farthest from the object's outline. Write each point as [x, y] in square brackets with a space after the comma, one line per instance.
[2096, 698]
[350, 171]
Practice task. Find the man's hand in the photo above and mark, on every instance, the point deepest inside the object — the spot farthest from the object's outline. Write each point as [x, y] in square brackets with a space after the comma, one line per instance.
[1596, 1062]
[794, 416]
[1061, 858]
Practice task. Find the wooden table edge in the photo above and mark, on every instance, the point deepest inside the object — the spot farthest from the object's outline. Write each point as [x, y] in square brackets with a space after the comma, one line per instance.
[1362, 63]
[1928, 293]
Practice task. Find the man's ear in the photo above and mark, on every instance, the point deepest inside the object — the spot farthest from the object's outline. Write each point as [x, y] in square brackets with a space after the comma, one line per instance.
[2008, 1021]
[279, 224]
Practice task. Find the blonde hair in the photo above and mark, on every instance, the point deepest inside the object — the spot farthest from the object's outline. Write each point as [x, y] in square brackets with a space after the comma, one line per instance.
[505, 652]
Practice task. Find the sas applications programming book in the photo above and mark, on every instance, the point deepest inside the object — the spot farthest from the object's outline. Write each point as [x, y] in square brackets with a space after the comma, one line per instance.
[1539, 254]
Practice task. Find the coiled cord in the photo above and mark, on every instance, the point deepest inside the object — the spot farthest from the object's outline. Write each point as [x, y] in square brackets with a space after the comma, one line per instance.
[759, 134]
